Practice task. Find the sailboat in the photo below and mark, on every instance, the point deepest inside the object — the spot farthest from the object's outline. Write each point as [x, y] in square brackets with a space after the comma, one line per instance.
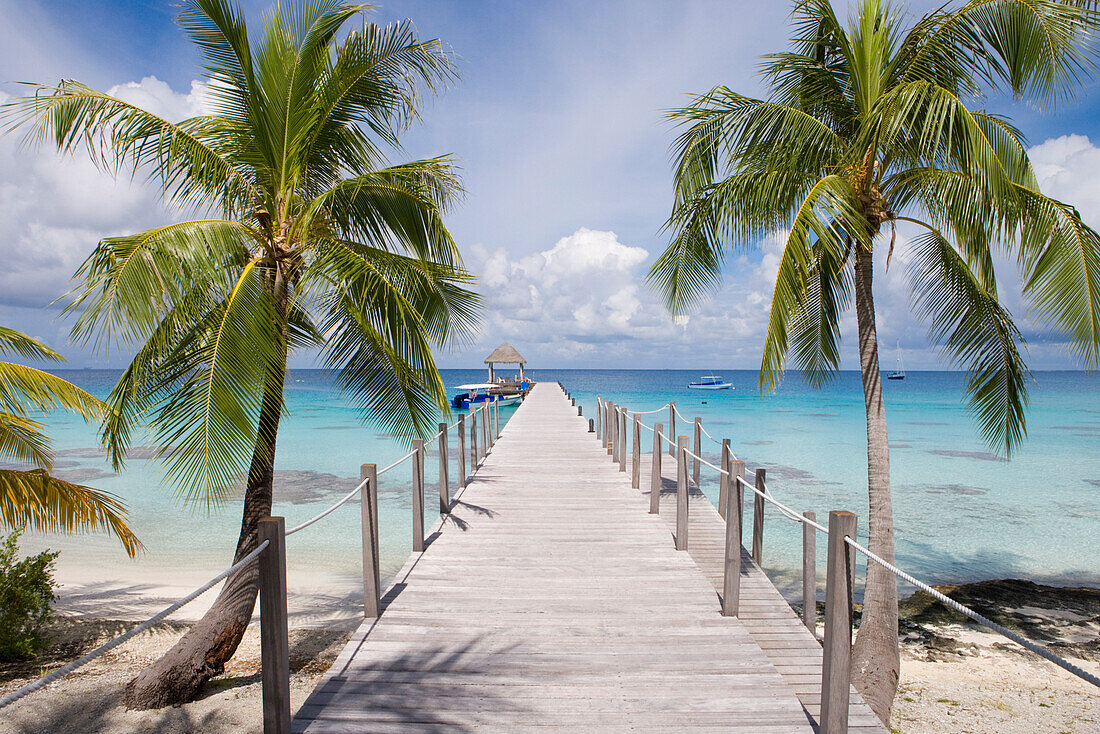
[899, 373]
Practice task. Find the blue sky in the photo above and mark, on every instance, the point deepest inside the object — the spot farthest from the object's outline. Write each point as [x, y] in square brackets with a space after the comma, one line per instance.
[557, 124]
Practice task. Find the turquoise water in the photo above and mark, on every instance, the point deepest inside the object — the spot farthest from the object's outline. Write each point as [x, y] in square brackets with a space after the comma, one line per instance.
[961, 512]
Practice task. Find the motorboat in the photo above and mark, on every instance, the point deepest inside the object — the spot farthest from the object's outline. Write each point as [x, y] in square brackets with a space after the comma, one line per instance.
[483, 392]
[710, 382]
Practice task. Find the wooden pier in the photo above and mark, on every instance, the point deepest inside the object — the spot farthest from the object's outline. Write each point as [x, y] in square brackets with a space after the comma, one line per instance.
[550, 598]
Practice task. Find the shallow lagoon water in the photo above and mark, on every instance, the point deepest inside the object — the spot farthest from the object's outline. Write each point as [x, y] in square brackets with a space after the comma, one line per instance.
[962, 513]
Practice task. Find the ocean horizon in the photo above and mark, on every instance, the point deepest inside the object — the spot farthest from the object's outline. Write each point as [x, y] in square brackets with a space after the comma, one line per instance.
[962, 513]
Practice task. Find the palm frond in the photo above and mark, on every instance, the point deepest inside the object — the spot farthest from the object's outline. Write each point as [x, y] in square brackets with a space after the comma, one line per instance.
[14, 342]
[131, 282]
[977, 332]
[23, 387]
[35, 499]
[1059, 256]
[116, 134]
[208, 426]
[22, 440]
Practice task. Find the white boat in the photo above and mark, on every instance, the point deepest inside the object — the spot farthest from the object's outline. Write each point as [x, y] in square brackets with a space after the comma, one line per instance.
[710, 382]
[479, 393]
[899, 373]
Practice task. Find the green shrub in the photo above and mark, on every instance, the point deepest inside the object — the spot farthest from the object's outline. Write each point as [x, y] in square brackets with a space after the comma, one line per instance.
[26, 591]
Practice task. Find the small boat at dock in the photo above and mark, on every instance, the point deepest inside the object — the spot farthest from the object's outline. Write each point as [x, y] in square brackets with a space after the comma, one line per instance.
[484, 392]
[710, 382]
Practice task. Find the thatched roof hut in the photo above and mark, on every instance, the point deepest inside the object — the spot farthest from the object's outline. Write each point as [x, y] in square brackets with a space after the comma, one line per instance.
[505, 354]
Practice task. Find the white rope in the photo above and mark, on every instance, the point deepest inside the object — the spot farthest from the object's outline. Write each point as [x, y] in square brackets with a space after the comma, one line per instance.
[782, 507]
[108, 646]
[346, 497]
[943, 598]
[704, 461]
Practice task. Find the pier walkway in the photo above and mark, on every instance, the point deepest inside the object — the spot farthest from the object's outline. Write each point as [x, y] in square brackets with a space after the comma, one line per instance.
[550, 599]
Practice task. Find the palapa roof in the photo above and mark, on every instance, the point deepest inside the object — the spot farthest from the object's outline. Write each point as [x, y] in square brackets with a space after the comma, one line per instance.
[505, 354]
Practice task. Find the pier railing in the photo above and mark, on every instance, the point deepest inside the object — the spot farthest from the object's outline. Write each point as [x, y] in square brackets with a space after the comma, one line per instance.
[840, 537]
[270, 554]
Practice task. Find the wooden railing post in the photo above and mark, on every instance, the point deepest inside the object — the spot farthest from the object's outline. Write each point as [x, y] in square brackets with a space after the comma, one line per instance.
[698, 450]
[837, 649]
[580, 410]
[474, 457]
[274, 644]
[418, 495]
[655, 471]
[482, 421]
[591, 426]
[496, 420]
[809, 574]
[372, 581]
[612, 423]
[758, 520]
[461, 452]
[599, 419]
[724, 479]
[731, 574]
[636, 460]
[681, 493]
[672, 429]
[444, 473]
[622, 441]
[737, 489]
[486, 427]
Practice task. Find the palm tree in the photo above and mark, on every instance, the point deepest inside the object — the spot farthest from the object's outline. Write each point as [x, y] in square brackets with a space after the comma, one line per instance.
[32, 497]
[309, 240]
[870, 123]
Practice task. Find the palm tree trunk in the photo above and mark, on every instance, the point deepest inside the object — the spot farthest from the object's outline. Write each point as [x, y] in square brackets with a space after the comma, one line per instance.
[201, 654]
[876, 661]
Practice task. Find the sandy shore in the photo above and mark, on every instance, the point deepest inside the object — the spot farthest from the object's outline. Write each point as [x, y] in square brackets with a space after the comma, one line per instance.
[954, 678]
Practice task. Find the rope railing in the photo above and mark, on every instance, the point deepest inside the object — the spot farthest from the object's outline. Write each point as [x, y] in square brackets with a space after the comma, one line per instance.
[963, 609]
[352, 493]
[272, 618]
[765, 494]
[112, 644]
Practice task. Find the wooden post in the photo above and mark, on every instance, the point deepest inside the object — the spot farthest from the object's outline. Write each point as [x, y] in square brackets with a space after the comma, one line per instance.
[591, 426]
[698, 450]
[737, 496]
[612, 429]
[622, 440]
[418, 495]
[444, 478]
[672, 429]
[461, 452]
[474, 458]
[496, 419]
[486, 427]
[484, 430]
[809, 574]
[636, 460]
[274, 644]
[681, 493]
[758, 521]
[724, 479]
[372, 581]
[655, 471]
[731, 574]
[599, 421]
[837, 649]
[580, 410]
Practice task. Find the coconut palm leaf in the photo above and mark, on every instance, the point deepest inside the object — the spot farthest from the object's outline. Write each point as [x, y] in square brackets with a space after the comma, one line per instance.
[22, 440]
[25, 388]
[46, 504]
[132, 282]
[14, 342]
[977, 332]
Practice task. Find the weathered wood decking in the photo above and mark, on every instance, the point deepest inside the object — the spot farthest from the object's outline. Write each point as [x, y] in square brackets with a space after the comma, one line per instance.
[549, 598]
